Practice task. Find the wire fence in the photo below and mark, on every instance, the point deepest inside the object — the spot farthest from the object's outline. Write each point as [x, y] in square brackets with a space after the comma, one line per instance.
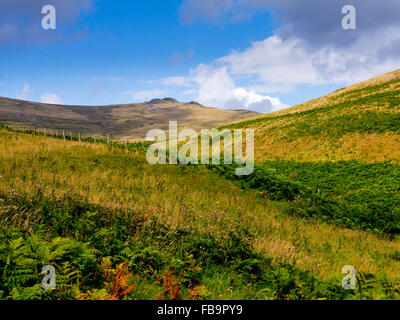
[69, 135]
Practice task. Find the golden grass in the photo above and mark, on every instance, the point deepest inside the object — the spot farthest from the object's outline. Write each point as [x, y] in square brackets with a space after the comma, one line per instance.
[342, 94]
[276, 138]
[363, 147]
[188, 198]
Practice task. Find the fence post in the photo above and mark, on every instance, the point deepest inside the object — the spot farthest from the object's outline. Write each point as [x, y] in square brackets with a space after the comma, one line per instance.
[70, 135]
[79, 136]
[125, 142]
[94, 139]
[44, 130]
[64, 135]
[108, 139]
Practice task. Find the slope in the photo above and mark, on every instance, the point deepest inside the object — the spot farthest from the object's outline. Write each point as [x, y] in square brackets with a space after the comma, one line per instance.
[360, 122]
[128, 120]
[175, 232]
[335, 158]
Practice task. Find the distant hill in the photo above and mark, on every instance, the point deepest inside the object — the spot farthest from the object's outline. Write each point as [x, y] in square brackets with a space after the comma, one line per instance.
[125, 120]
[359, 122]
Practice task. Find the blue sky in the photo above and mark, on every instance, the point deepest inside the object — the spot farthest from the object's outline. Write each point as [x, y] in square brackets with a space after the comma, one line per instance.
[254, 54]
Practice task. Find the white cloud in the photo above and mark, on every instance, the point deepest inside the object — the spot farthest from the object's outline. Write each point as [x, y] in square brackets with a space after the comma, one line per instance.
[273, 61]
[24, 93]
[145, 94]
[212, 85]
[309, 48]
[51, 98]
[290, 62]
[216, 88]
[276, 65]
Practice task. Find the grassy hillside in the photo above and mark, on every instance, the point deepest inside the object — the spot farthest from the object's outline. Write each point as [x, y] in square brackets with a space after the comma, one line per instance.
[360, 122]
[115, 227]
[129, 120]
[350, 194]
[336, 158]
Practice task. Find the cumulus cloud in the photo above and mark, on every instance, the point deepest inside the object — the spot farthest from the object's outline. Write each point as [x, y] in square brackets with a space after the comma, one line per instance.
[311, 41]
[212, 85]
[24, 93]
[310, 47]
[145, 94]
[51, 98]
[273, 60]
[216, 88]
[276, 61]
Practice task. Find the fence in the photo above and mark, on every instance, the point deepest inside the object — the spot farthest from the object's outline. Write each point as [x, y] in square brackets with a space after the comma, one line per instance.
[68, 135]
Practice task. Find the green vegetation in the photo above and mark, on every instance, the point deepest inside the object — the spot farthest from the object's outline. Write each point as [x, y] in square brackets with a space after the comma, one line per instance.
[361, 123]
[351, 194]
[323, 120]
[74, 236]
[115, 227]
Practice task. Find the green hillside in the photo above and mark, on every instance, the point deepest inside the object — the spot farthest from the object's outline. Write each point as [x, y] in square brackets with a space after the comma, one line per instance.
[334, 159]
[115, 227]
[361, 122]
